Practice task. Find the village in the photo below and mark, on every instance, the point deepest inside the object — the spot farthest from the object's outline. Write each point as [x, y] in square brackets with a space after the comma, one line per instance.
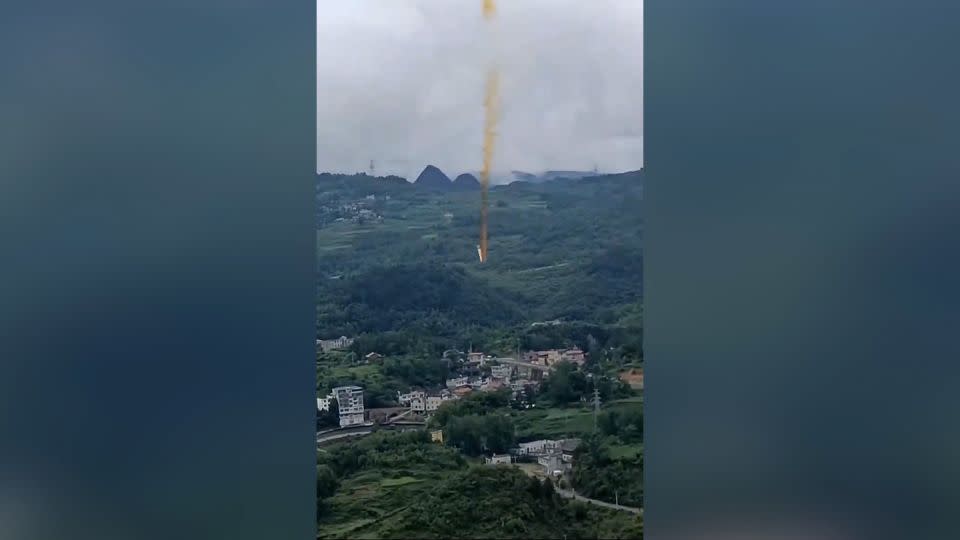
[473, 372]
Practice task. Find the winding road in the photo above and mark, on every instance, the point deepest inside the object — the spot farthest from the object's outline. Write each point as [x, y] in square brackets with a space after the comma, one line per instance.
[570, 494]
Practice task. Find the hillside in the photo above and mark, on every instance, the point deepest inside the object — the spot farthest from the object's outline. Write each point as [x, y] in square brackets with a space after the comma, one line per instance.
[401, 256]
[393, 485]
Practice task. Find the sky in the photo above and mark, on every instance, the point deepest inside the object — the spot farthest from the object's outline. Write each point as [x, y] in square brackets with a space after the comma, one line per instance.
[401, 82]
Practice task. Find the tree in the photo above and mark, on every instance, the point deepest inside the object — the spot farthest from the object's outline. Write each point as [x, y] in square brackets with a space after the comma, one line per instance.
[564, 384]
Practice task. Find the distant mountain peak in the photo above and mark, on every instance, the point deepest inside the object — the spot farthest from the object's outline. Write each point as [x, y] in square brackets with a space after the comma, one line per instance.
[466, 182]
[434, 178]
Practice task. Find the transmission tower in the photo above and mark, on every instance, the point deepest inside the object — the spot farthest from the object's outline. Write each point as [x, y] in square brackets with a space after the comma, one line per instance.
[596, 405]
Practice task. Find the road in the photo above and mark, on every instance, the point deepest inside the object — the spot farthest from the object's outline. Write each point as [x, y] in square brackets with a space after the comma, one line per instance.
[570, 494]
[326, 437]
[536, 472]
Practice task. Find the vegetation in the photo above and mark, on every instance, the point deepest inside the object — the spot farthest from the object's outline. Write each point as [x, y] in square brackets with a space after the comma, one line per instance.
[597, 474]
[565, 249]
[398, 272]
[392, 485]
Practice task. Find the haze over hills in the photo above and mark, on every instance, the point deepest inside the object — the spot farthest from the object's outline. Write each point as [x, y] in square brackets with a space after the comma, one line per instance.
[435, 179]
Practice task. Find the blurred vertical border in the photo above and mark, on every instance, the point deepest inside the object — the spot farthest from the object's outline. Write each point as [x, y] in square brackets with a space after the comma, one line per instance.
[157, 299]
[803, 210]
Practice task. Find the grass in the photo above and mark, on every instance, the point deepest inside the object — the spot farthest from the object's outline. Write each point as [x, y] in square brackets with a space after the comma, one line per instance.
[373, 497]
[555, 422]
[402, 481]
[618, 451]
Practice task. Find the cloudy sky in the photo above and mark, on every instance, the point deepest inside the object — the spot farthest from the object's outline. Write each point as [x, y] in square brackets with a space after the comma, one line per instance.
[401, 82]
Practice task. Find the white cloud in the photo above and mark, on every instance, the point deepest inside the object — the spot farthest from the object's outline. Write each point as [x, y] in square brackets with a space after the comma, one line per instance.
[401, 82]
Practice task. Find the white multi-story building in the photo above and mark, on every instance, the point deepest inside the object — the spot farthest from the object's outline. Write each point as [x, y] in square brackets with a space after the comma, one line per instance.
[350, 403]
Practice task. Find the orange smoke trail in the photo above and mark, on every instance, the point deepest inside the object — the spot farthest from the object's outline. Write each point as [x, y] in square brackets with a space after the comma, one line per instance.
[489, 8]
[489, 133]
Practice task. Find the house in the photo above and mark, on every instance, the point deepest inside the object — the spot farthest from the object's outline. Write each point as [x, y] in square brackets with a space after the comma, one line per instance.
[475, 357]
[350, 402]
[406, 399]
[491, 385]
[567, 448]
[574, 355]
[341, 342]
[543, 446]
[436, 436]
[633, 377]
[419, 403]
[433, 403]
[498, 459]
[501, 372]
[543, 358]
[454, 383]
[373, 358]
[552, 464]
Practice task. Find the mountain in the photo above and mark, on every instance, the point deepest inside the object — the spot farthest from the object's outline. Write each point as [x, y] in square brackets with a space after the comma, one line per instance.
[433, 178]
[553, 175]
[466, 182]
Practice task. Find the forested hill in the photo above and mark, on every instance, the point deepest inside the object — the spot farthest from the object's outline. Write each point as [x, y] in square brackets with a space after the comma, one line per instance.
[391, 254]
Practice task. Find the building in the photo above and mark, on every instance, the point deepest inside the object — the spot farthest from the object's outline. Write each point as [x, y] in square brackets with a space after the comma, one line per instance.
[350, 402]
[497, 459]
[491, 385]
[543, 446]
[419, 403]
[475, 357]
[502, 372]
[409, 397]
[552, 464]
[633, 377]
[323, 404]
[373, 357]
[454, 383]
[341, 342]
[434, 402]
[543, 358]
[574, 355]
[567, 448]
[436, 436]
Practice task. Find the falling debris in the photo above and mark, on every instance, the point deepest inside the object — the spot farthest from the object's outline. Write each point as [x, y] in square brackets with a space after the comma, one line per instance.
[489, 134]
